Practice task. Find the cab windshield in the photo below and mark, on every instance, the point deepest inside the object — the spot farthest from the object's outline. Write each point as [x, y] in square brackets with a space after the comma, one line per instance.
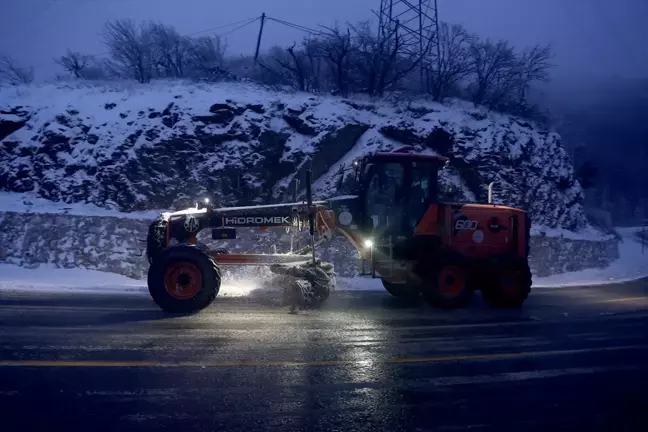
[398, 193]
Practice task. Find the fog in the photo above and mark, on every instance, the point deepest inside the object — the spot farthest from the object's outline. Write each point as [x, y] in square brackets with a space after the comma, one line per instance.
[593, 40]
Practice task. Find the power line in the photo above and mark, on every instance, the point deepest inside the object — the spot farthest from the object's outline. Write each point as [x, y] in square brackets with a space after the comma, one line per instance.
[297, 26]
[240, 27]
[243, 23]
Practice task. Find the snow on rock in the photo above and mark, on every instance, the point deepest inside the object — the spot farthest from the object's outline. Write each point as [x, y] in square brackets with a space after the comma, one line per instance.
[10, 121]
[160, 146]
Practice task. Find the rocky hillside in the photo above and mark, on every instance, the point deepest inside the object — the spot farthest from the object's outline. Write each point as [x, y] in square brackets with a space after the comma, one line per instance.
[161, 146]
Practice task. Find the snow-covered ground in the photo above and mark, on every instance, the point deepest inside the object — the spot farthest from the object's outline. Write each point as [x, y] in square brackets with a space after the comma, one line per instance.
[46, 278]
[632, 265]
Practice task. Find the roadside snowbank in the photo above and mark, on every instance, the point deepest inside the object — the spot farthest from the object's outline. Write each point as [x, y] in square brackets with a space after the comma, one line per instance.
[47, 278]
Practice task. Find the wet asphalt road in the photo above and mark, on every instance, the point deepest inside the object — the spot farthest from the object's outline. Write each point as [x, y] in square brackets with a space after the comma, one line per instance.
[570, 359]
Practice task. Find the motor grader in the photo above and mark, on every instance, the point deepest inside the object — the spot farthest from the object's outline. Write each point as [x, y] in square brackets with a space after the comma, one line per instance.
[417, 245]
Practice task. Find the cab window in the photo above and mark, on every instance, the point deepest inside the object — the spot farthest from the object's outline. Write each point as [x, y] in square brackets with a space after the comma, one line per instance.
[384, 195]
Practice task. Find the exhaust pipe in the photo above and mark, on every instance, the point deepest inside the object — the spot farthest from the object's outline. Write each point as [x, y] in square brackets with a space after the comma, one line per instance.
[490, 192]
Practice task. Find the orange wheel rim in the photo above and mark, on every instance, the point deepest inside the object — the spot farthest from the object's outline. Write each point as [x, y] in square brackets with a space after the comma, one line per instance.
[182, 280]
[452, 281]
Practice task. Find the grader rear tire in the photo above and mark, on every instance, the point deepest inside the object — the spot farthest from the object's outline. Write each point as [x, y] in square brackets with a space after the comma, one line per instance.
[448, 286]
[509, 286]
[183, 279]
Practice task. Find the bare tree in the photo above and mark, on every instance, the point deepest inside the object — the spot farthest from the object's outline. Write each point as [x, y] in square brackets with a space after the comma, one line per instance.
[13, 74]
[532, 65]
[171, 51]
[453, 63]
[291, 66]
[296, 66]
[110, 69]
[270, 72]
[100, 70]
[494, 70]
[337, 47]
[74, 63]
[315, 64]
[207, 58]
[381, 60]
[131, 49]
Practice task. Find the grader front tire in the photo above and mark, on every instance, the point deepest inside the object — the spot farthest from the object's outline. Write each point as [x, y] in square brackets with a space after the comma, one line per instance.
[183, 279]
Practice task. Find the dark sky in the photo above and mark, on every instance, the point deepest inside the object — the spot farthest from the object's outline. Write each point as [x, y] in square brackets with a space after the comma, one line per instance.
[592, 38]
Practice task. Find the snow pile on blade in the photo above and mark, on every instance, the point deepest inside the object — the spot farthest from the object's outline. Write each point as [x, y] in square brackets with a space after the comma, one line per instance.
[308, 285]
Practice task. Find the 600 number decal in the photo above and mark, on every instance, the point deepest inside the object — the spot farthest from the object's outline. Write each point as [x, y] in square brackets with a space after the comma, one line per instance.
[465, 225]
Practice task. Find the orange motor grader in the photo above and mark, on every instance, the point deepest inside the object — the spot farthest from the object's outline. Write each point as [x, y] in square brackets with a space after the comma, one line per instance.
[416, 244]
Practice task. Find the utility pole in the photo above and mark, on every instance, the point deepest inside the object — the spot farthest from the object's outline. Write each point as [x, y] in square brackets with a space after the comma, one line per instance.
[258, 44]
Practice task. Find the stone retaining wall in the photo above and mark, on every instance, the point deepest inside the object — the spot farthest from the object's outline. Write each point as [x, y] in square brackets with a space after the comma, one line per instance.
[112, 244]
[553, 255]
